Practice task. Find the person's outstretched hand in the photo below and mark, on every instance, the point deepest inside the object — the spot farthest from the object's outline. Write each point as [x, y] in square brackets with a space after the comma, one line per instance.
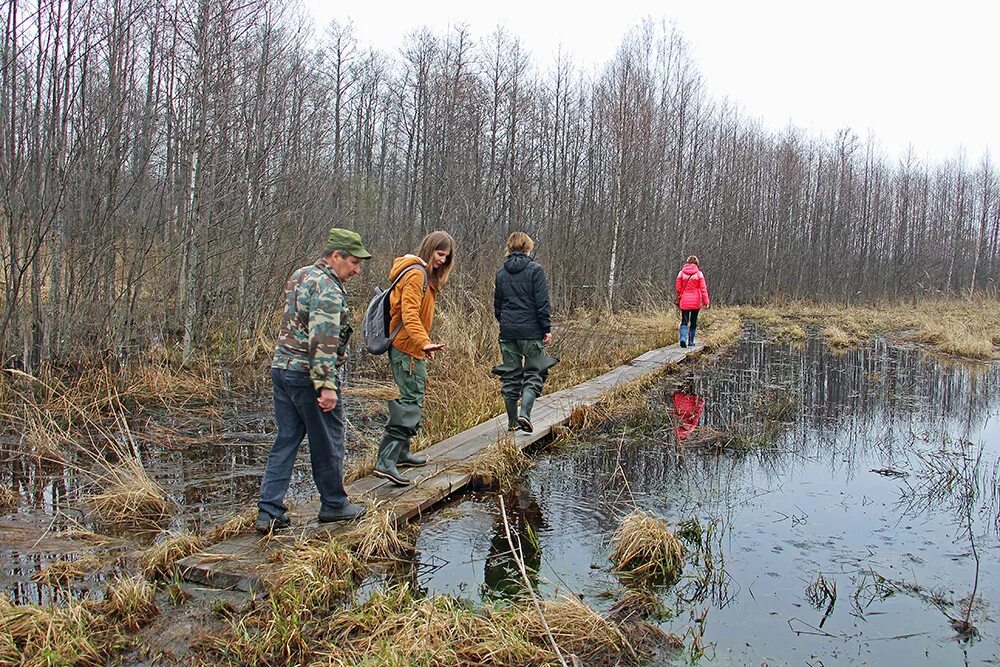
[431, 348]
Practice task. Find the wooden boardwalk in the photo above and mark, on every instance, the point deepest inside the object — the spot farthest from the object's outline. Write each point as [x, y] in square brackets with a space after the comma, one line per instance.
[241, 561]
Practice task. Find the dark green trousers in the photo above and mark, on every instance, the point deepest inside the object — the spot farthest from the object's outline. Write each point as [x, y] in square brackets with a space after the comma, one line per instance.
[410, 376]
[525, 366]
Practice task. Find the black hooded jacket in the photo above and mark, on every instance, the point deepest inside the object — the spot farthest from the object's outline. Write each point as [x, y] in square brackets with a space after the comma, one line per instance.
[521, 299]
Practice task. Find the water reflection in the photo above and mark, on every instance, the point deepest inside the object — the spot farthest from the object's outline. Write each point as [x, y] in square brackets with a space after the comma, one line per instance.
[502, 578]
[688, 407]
[817, 464]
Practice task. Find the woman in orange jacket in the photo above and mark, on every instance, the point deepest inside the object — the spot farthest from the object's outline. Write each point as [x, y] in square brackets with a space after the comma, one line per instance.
[412, 305]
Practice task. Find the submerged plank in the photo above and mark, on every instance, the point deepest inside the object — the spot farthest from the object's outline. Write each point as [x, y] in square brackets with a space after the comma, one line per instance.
[242, 562]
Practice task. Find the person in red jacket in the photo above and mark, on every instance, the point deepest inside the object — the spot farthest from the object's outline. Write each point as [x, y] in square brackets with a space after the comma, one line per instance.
[692, 296]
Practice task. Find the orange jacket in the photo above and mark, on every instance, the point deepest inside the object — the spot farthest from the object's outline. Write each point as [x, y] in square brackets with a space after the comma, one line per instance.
[412, 306]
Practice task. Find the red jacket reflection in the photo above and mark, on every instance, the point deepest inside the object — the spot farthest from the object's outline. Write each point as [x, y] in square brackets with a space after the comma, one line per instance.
[687, 411]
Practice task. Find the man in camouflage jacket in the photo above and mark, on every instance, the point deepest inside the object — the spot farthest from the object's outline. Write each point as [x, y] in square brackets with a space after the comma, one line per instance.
[311, 346]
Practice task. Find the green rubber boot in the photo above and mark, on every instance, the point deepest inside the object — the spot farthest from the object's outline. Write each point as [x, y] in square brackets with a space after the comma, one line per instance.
[510, 404]
[385, 466]
[407, 459]
[524, 418]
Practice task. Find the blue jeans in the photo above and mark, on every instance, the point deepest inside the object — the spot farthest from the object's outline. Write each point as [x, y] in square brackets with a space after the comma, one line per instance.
[298, 414]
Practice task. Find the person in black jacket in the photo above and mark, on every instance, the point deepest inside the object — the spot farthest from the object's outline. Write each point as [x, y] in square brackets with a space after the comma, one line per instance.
[521, 306]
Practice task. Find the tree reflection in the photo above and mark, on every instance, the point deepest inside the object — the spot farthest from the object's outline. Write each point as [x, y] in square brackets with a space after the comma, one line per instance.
[502, 578]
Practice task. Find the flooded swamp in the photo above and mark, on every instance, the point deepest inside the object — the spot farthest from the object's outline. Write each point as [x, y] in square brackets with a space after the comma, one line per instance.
[839, 508]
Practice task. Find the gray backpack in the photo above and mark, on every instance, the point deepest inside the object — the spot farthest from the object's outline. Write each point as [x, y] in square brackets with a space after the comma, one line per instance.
[375, 325]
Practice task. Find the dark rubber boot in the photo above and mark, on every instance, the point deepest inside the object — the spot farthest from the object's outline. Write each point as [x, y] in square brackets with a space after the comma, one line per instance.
[348, 512]
[408, 459]
[691, 331]
[527, 402]
[510, 404]
[684, 335]
[266, 523]
[385, 466]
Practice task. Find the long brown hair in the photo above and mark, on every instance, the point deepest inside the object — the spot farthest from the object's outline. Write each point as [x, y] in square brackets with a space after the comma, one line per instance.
[438, 241]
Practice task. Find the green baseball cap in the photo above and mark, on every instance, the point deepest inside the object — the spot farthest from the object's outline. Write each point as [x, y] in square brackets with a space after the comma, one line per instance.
[348, 241]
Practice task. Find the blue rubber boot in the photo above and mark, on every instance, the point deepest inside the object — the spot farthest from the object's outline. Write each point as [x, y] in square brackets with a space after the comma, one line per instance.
[691, 331]
[684, 335]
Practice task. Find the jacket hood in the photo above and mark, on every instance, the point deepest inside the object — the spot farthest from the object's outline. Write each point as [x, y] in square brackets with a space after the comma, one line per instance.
[516, 262]
[401, 263]
[690, 269]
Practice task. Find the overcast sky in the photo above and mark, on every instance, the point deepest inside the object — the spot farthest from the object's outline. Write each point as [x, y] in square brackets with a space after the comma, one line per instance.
[920, 73]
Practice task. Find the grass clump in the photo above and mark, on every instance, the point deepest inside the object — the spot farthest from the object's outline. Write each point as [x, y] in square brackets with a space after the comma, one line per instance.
[576, 628]
[719, 327]
[626, 399]
[9, 497]
[502, 463]
[237, 525]
[129, 602]
[62, 572]
[396, 628]
[124, 494]
[645, 548]
[70, 634]
[286, 628]
[129, 497]
[159, 562]
[837, 338]
[314, 575]
[376, 536]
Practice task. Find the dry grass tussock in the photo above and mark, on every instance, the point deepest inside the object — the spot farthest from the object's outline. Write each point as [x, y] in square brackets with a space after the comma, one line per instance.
[576, 628]
[62, 572]
[121, 493]
[9, 497]
[719, 327]
[502, 463]
[71, 634]
[124, 495]
[79, 632]
[173, 387]
[129, 602]
[395, 628]
[285, 629]
[628, 398]
[315, 574]
[241, 523]
[159, 562]
[376, 537]
[961, 326]
[644, 547]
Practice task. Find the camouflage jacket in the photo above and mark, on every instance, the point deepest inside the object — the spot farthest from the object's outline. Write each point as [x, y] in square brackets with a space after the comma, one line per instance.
[315, 326]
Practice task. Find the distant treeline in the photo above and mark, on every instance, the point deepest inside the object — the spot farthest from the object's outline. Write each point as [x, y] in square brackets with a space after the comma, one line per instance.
[164, 164]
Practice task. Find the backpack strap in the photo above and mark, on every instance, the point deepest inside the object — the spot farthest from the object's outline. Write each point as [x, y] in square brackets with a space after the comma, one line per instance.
[402, 273]
[411, 267]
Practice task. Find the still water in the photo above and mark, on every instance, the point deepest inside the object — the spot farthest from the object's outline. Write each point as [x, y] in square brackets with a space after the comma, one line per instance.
[870, 475]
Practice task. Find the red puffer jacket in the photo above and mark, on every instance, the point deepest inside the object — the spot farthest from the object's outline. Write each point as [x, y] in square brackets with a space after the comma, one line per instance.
[692, 288]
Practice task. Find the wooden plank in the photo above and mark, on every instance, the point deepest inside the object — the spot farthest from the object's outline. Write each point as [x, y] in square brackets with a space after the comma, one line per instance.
[241, 562]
